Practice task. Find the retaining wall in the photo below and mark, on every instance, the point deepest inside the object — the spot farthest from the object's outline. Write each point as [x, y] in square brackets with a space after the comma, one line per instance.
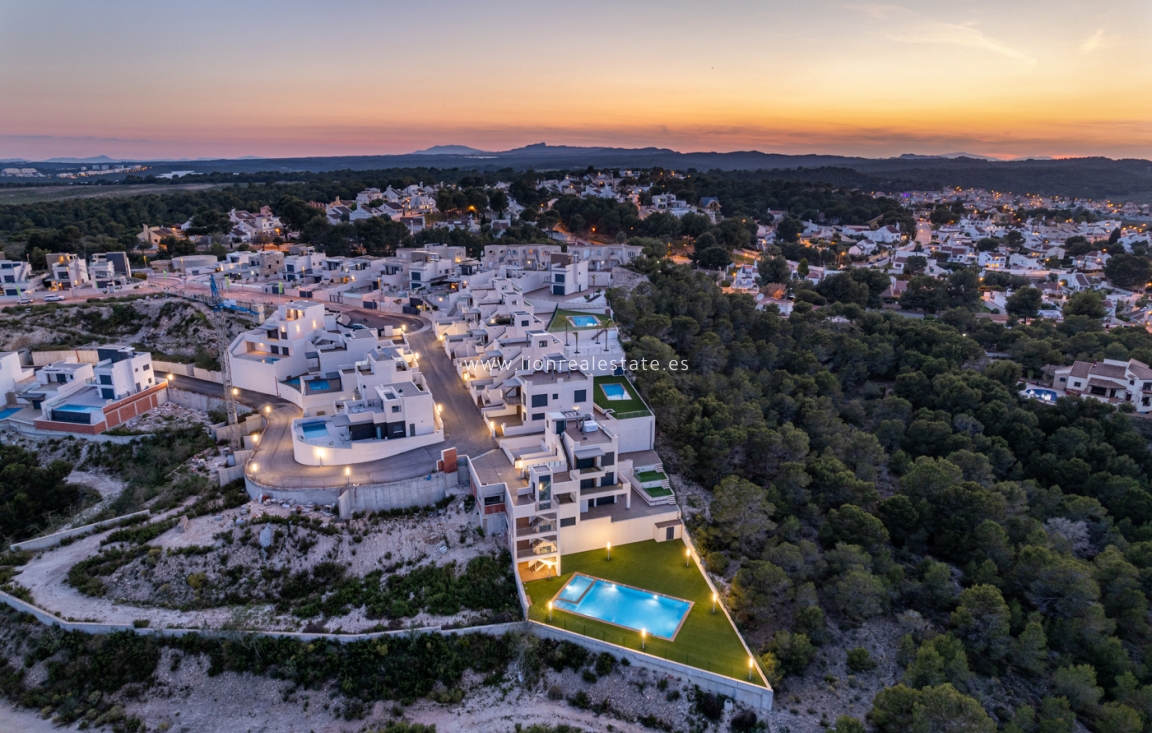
[187, 370]
[44, 358]
[746, 693]
[422, 491]
[52, 540]
[201, 402]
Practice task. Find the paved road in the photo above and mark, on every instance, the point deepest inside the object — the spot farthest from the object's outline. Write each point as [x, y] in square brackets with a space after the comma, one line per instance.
[464, 428]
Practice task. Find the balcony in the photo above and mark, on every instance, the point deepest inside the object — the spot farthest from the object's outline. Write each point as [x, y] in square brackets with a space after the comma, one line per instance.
[601, 490]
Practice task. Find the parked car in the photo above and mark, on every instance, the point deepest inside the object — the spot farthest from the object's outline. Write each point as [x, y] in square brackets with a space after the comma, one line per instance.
[53, 298]
[25, 300]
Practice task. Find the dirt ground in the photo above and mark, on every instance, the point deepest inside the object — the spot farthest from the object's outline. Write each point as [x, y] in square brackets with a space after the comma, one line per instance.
[185, 699]
[134, 591]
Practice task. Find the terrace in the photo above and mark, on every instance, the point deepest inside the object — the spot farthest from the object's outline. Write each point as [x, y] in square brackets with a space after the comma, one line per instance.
[569, 320]
[617, 394]
[706, 640]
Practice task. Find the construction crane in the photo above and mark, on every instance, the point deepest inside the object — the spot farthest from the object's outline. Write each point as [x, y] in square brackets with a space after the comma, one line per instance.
[223, 341]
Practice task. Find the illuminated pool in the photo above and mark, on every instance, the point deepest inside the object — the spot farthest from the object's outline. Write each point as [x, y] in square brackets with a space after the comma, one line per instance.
[622, 605]
[1041, 394]
[614, 391]
[319, 385]
[584, 321]
[314, 430]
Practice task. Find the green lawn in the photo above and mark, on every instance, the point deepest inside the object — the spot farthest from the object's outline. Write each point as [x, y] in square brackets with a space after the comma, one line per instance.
[632, 404]
[657, 491]
[646, 476]
[560, 321]
[706, 640]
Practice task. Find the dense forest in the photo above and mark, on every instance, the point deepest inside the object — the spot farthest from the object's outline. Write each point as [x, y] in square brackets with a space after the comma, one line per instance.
[865, 465]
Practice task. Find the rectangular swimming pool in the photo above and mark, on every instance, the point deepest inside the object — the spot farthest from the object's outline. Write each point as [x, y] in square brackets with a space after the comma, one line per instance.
[314, 430]
[78, 408]
[623, 605]
[8, 412]
[614, 391]
[584, 321]
[318, 385]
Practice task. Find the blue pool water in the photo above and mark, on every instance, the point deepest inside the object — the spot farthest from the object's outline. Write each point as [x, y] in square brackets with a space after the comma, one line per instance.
[314, 430]
[318, 384]
[8, 412]
[77, 408]
[1042, 394]
[618, 604]
[294, 381]
[269, 360]
[614, 391]
[584, 321]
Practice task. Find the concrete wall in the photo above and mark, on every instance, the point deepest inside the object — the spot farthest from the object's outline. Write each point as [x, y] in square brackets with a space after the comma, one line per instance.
[253, 423]
[26, 429]
[52, 540]
[758, 698]
[422, 491]
[186, 370]
[201, 402]
[84, 356]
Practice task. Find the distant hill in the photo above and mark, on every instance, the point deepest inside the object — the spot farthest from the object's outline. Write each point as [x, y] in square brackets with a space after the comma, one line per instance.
[1128, 179]
[94, 159]
[451, 150]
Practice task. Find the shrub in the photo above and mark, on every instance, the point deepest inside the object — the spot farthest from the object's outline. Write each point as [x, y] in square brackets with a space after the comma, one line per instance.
[744, 720]
[859, 660]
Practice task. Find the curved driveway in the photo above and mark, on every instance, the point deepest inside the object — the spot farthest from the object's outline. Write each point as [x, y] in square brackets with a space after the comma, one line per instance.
[464, 428]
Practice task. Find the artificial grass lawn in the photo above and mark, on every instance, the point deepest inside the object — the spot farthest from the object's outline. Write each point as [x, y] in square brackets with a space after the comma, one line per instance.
[560, 321]
[633, 404]
[706, 640]
[657, 491]
[646, 476]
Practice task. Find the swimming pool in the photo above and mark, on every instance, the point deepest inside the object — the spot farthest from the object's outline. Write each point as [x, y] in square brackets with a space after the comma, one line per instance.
[584, 321]
[8, 412]
[1041, 394]
[314, 430]
[318, 385]
[78, 408]
[622, 605]
[269, 360]
[614, 391]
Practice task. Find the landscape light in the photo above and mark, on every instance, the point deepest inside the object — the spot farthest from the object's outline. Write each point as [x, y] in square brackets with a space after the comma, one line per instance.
[687, 556]
[714, 599]
[549, 611]
[644, 639]
[609, 550]
[751, 663]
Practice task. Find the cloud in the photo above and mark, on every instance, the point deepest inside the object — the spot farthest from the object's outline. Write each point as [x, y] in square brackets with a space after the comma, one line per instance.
[1095, 42]
[907, 26]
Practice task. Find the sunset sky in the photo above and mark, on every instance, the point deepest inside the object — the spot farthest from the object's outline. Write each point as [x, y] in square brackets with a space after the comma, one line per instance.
[161, 78]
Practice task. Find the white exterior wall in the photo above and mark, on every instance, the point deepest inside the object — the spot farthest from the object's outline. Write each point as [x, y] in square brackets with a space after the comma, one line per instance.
[11, 372]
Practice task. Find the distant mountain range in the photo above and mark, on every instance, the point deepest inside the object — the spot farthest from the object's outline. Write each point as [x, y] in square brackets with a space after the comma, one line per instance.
[1129, 179]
